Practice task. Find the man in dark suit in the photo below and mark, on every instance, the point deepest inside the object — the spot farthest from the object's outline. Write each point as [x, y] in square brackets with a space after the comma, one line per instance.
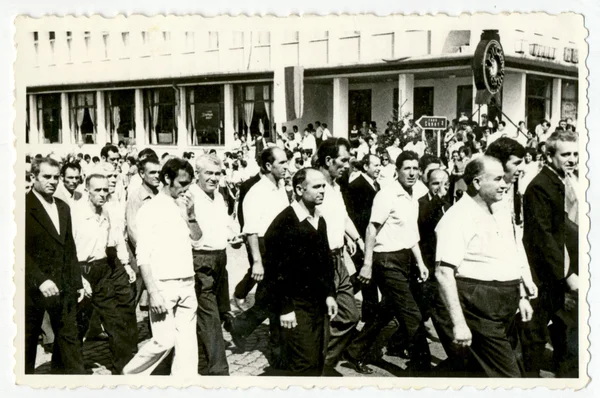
[361, 193]
[300, 276]
[551, 242]
[52, 278]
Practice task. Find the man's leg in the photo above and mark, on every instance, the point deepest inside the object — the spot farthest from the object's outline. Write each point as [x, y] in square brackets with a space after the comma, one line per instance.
[34, 314]
[369, 292]
[67, 354]
[247, 283]
[303, 345]
[185, 362]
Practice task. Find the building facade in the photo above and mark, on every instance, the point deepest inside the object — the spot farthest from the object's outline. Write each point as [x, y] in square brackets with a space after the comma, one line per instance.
[187, 85]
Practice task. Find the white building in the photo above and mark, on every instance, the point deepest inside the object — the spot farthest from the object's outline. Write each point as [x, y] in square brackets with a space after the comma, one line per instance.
[182, 84]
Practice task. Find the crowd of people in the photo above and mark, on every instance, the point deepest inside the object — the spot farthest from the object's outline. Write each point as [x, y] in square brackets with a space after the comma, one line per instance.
[481, 240]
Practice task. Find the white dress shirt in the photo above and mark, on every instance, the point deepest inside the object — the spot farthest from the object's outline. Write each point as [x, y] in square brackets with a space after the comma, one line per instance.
[91, 231]
[164, 242]
[262, 204]
[51, 209]
[212, 218]
[303, 214]
[333, 210]
[309, 142]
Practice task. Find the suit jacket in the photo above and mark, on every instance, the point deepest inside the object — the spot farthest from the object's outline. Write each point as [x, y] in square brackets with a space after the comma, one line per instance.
[360, 202]
[431, 212]
[244, 189]
[547, 229]
[48, 254]
[299, 267]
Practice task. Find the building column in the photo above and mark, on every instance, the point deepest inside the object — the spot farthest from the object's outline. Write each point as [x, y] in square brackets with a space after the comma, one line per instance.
[66, 134]
[34, 132]
[228, 105]
[101, 133]
[478, 110]
[406, 91]
[340, 107]
[140, 131]
[279, 110]
[556, 103]
[182, 131]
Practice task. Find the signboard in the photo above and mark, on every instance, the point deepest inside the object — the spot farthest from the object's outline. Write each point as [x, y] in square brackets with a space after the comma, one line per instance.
[432, 122]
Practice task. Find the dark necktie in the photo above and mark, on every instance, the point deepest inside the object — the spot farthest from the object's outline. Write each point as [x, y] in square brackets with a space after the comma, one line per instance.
[377, 187]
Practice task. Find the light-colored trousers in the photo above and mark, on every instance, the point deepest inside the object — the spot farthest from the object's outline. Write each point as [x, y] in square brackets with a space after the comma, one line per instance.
[175, 329]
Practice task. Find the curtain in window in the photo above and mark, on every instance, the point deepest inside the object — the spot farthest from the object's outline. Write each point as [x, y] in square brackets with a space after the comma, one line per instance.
[154, 117]
[194, 137]
[249, 106]
[89, 103]
[266, 98]
[78, 113]
[40, 121]
[178, 92]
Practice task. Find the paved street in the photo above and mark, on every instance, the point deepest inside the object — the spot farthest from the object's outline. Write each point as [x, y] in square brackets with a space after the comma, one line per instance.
[253, 361]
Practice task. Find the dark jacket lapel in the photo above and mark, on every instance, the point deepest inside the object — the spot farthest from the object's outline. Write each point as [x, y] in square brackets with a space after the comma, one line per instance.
[38, 212]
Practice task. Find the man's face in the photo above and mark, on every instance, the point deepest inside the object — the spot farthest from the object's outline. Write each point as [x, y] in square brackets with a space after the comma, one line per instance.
[280, 164]
[566, 156]
[373, 168]
[408, 173]
[111, 174]
[563, 124]
[385, 160]
[500, 127]
[438, 183]
[209, 177]
[47, 180]
[337, 166]
[312, 190]
[492, 185]
[512, 168]
[113, 158]
[28, 185]
[150, 174]
[546, 126]
[528, 158]
[98, 191]
[180, 184]
[71, 179]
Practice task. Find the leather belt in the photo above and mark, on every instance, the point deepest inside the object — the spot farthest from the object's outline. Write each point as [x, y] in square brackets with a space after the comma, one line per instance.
[86, 266]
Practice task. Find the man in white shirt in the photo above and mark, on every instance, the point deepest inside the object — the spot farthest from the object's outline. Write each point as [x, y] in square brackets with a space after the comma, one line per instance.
[106, 281]
[210, 261]
[479, 280]
[309, 142]
[167, 227]
[394, 150]
[326, 133]
[416, 145]
[70, 179]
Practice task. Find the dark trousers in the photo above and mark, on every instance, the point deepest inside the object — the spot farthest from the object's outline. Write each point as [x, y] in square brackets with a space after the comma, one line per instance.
[489, 309]
[391, 273]
[563, 333]
[369, 292]
[210, 267]
[303, 347]
[62, 310]
[247, 283]
[343, 327]
[113, 300]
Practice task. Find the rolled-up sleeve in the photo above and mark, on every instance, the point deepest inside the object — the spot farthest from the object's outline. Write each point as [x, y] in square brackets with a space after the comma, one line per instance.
[252, 213]
[451, 247]
[382, 207]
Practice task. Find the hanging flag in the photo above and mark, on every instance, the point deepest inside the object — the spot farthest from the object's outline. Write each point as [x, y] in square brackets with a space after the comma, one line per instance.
[294, 92]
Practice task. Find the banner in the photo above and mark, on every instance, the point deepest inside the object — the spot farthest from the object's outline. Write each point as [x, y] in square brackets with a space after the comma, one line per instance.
[294, 92]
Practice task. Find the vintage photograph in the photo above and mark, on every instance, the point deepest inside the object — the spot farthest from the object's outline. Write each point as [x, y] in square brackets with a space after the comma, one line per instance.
[345, 200]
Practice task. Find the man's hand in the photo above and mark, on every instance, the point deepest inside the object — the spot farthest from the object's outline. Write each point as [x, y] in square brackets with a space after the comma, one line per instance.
[49, 289]
[531, 289]
[288, 321]
[365, 274]
[157, 303]
[258, 271]
[332, 307]
[130, 273]
[80, 295]
[351, 246]
[462, 335]
[186, 205]
[573, 282]
[423, 273]
[87, 288]
[526, 310]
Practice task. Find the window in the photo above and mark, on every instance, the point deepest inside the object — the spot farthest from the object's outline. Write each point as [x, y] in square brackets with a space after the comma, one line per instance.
[86, 39]
[82, 115]
[124, 44]
[263, 39]
[160, 115]
[206, 115]
[36, 46]
[213, 41]
[69, 45]
[52, 39]
[319, 36]
[254, 106]
[190, 46]
[120, 115]
[145, 50]
[569, 99]
[49, 121]
[290, 37]
[539, 100]
[105, 38]
[237, 40]
[464, 101]
[166, 43]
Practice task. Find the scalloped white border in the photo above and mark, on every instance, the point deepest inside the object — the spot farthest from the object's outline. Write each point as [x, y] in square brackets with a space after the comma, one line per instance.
[241, 382]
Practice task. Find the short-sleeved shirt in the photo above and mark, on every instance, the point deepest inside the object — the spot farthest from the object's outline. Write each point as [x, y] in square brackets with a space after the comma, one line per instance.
[262, 204]
[480, 244]
[398, 213]
[213, 220]
[333, 210]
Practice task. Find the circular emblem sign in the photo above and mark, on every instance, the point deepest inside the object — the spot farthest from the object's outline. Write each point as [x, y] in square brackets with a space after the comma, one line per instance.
[488, 66]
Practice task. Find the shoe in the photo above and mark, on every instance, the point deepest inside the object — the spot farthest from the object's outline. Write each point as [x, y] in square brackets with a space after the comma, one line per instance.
[358, 366]
[329, 371]
[395, 351]
[228, 320]
[228, 325]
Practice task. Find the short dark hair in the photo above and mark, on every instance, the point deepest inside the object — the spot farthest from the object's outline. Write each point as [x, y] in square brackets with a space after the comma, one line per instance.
[532, 151]
[366, 160]
[503, 123]
[92, 176]
[95, 159]
[187, 155]
[267, 156]
[27, 158]
[146, 152]
[164, 155]
[80, 155]
[300, 176]
[148, 159]
[428, 159]
[28, 176]
[503, 148]
[473, 169]
[171, 169]
[87, 157]
[324, 125]
[561, 135]
[406, 155]
[106, 149]
[331, 148]
[70, 165]
[121, 142]
[38, 162]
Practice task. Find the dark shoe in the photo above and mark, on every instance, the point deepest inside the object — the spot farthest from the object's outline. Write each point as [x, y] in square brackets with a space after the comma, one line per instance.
[238, 340]
[358, 366]
[228, 320]
[329, 371]
[397, 351]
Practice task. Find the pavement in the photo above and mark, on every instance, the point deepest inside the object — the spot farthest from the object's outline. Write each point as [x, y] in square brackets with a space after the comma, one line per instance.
[253, 361]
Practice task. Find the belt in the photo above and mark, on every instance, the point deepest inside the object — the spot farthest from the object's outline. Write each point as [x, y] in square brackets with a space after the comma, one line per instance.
[86, 266]
[202, 251]
[337, 252]
[509, 283]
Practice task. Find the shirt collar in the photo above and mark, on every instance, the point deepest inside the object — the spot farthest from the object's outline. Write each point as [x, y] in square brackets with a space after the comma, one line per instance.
[270, 184]
[400, 191]
[302, 212]
[42, 200]
[144, 192]
[85, 207]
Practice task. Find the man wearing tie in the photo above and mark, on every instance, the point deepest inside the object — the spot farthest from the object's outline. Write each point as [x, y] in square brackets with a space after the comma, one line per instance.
[53, 282]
